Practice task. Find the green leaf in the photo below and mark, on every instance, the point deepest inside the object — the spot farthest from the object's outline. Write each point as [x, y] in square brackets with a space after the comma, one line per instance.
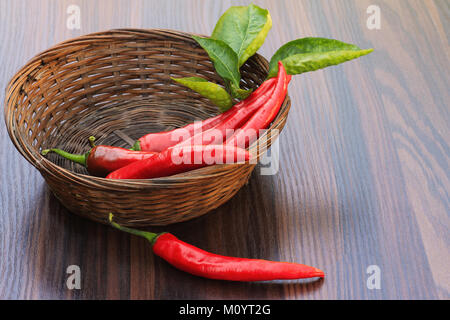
[301, 63]
[310, 54]
[239, 93]
[218, 95]
[244, 29]
[224, 58]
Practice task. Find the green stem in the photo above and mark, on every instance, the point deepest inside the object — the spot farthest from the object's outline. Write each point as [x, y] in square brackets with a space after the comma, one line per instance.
[136, 146]
[150, 236]
[92, 141]
[78, 158]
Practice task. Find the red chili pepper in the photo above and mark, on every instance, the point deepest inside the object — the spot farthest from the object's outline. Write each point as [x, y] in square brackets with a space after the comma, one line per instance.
[180, 159]
[160, 141]
[201, 263]
[101, 160]
[264, 115]
[219, 133]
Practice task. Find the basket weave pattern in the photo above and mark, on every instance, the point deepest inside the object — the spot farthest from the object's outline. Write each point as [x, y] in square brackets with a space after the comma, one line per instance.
[116, 86]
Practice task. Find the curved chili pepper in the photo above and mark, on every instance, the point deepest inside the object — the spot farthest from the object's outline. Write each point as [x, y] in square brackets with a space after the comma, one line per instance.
[235, 120]
[264, 115]
[160, 141]
[101, 160]
[198, 262]
[224, 129]
[176, 160]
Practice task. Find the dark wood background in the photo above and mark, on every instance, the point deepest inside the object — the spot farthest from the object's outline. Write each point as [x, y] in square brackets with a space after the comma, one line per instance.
[364, 170]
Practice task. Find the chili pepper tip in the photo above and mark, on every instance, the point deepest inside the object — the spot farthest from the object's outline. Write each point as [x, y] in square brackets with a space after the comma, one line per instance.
[320, 274]
[45, 151]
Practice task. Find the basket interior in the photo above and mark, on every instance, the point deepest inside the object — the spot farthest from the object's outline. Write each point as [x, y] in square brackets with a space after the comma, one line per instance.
[122, 123]
[109, 83]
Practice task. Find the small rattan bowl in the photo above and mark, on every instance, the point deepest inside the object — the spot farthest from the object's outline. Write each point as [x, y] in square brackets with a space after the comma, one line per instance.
[116, 86]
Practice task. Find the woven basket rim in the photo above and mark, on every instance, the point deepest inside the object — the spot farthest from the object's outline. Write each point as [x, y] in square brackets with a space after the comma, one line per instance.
[42, 164]
[104, 35]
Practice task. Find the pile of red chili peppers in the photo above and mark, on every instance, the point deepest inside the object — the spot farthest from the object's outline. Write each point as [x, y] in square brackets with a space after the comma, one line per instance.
[152, 156]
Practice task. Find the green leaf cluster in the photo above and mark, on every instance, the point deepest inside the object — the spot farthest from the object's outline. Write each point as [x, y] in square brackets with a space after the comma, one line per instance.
[238, 35]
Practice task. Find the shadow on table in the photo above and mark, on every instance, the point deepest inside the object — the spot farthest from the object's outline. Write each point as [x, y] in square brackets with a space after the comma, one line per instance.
[115, 265]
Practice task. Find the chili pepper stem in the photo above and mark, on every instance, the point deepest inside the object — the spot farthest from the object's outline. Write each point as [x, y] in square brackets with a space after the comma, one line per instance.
[78, 158]
[136, 146]
[92, 141]
[150, 236]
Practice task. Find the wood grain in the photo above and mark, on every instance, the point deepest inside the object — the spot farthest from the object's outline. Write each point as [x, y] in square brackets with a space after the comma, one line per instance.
[364, 168]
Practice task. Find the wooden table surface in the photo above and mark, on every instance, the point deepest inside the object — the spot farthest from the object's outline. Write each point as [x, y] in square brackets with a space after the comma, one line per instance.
[364, 168]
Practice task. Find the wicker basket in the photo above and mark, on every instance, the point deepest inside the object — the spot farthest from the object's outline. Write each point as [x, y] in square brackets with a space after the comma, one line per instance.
[116, 86]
